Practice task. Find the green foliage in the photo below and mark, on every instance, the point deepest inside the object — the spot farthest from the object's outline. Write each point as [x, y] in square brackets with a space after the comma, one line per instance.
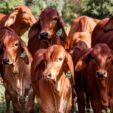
[98, 8]
[71, 10]
[38, 5]
[68, 9]
[7, 5]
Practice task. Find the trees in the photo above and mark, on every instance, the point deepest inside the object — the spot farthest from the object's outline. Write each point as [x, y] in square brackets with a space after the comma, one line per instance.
[69, 9]
[7, 5]
[98, 8]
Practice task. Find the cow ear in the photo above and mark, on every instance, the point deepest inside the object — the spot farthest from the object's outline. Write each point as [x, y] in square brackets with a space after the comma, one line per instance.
[69, 68]
[88, 58]
[83, 61]
[10, 21]
[11, 18]
[34, 31]
[61, 27]
[24, 47]
[80, 64]
[109, 25]
[37, 59]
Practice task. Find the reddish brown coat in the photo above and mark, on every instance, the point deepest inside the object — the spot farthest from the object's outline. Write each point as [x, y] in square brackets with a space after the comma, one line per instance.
[48, 30]
[20, 19]
[49, 79]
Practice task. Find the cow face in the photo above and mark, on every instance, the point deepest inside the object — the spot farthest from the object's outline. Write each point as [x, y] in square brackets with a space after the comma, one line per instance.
[48, 24]
[54, 62]
[56, 58]
[100, 56]
[10, 46]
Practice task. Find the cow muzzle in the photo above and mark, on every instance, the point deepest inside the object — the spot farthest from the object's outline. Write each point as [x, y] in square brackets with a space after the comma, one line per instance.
[43, 35]
[101, 74]
[5, 61]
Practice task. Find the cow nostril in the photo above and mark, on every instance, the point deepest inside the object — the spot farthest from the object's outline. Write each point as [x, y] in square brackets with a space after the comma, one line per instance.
[5, 61]
[49, 75]
[100, 74]
[43, 35]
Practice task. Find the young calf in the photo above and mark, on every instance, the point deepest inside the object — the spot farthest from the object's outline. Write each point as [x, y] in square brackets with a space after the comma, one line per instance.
[48, 30]
[96, 70]
[17, 75]
[49, 79]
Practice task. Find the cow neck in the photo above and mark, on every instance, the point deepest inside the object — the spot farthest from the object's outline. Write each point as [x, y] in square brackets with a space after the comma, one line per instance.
[17, 76]
[54, 94]
[104, 92]
[52, 41]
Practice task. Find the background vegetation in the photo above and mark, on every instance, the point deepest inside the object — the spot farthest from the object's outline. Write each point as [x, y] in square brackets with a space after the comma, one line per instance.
[67, 8]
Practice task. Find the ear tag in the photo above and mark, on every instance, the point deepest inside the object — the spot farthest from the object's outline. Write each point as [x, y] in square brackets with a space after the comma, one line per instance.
[68, 74]
[59, 32]
[23, 54]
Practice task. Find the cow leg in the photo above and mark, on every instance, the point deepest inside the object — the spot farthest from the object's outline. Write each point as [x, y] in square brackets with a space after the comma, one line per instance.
[111, 104]
[88, 106]
[8, 99]
[74, 96]
[31, 98]
[96, 105]
[81, 102]
[16, 104]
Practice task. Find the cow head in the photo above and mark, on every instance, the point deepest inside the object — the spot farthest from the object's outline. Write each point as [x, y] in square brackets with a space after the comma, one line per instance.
[48, 24]
[100, 57]
[20, 15]
[12, 46]
[56, 61]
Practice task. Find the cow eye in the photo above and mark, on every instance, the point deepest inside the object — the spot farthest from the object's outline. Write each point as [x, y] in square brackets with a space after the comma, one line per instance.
[16, 44]
[60, 59]
[109, 57]
[55, 18]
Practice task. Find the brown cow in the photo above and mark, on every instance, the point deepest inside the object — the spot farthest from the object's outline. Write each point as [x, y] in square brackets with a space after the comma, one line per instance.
[95, 67]
[49, 79]
[19, 20]
[17, 75]
[80, 36]
[81, 24]
[48, 30]
[77, 50]
[103, 32]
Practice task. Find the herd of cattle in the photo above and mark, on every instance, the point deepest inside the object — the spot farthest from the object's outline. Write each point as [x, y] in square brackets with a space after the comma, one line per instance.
[56, 67]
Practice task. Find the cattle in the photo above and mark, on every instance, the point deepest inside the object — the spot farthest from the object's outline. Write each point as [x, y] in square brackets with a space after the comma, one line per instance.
[81, 24]
[17, 75]
[80, 36]
[103, 32]
[77, 50]
[48, 30]
[49, 81]
[20, 19]
[95, 70]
